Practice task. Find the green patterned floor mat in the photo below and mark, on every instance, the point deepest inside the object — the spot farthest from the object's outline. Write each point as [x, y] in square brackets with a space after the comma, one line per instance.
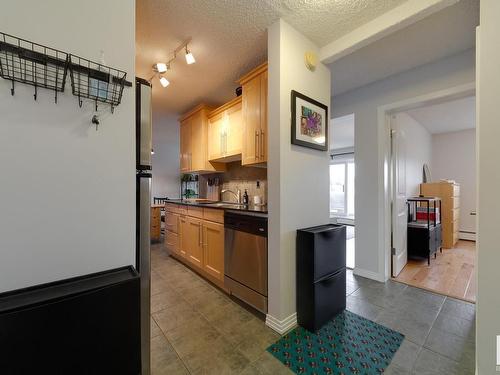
[349, 344]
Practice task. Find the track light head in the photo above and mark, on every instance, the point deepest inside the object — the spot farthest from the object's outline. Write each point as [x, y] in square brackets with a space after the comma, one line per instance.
[164, 82]
[160, 67]
[189, 57]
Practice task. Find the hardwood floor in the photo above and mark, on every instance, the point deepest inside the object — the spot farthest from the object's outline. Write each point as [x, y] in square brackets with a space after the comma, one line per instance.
[452, 273]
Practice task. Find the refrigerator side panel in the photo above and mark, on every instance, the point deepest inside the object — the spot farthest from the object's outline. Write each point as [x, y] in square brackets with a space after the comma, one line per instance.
[144, 264]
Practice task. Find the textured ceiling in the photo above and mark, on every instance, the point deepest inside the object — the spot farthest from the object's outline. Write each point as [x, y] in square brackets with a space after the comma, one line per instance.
[447, 117]
[229, 38]
[442, 34]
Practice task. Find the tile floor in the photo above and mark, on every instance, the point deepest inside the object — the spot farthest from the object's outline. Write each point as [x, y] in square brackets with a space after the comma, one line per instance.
[197, 329]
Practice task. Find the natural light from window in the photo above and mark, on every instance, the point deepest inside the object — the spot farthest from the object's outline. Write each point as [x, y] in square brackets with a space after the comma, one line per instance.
[342, 189]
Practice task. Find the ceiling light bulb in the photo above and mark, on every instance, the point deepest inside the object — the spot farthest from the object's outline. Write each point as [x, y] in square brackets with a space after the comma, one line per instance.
[161, 67]
[164, 82]
[189, 57]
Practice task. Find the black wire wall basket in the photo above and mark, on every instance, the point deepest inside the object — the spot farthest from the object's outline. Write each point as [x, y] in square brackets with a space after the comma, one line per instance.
[41, 66]
[33, 64]
[97, 82]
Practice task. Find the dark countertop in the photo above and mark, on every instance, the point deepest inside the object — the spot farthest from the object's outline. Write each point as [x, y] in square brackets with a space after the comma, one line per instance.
[223, 206]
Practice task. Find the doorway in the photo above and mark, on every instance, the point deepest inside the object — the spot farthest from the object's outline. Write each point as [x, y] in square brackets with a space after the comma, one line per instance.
[342, 180]
[440, 135]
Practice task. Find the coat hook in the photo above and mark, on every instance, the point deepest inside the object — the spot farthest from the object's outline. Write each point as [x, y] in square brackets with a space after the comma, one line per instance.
[112, 109]
[34, 95]
[80, 102]
[95, 121]
[12, 89]
[55, 98]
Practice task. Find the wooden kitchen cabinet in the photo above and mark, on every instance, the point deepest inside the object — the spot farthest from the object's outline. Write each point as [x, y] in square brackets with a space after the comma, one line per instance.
[194, 141]
[185, 146]
[213, 249]
[183, 236]
[196, 237]
[225, 132]
[194, 241]
[254, 116]
[155, 223]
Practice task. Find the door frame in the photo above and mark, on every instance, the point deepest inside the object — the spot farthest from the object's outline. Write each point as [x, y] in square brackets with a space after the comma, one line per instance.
[384, 112]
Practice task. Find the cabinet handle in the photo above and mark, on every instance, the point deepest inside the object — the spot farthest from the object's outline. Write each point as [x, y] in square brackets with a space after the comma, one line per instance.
[200, 235]
[256, 144]
[262, 143]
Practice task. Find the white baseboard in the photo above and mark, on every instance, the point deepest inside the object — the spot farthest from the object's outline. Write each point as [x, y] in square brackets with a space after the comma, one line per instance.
[281, 326]
[467, 236]
[368, 274]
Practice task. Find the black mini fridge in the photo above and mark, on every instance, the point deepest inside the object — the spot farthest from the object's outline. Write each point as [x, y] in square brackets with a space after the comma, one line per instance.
[321, 274]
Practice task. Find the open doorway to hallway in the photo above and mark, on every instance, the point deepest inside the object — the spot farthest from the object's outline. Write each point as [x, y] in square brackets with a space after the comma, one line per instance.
[441, 136]
[342, 180]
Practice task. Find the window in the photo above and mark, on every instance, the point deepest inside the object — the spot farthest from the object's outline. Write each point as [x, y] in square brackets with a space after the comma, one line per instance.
[342, 188]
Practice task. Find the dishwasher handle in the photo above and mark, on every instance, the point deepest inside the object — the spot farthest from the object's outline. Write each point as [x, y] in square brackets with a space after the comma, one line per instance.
[245, 223]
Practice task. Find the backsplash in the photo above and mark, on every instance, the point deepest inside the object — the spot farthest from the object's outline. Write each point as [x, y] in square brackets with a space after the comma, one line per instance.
[237, 177]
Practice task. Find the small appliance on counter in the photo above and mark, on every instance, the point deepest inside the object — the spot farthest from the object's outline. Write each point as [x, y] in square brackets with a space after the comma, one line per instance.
[321, 274]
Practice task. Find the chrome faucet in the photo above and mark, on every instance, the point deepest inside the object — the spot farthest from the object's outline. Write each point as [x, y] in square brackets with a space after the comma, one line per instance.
[237, 195]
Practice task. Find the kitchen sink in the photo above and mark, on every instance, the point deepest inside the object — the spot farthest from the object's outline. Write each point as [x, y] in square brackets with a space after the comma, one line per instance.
[227, 204]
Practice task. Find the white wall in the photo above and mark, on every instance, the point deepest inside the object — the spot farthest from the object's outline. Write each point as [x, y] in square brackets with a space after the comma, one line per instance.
[298, 176]
[418, 151]
[165, 166]
[454, 157]
[371, 143]
[67, 202]
[488, 134]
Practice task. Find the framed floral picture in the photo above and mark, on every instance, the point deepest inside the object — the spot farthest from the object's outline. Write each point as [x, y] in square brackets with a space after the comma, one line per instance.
[309, 122]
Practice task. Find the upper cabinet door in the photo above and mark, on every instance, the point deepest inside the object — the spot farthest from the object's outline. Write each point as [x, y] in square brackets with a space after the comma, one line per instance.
[215, 149]
[263, 118]
[233, 132]
[251, 115]
[198, 142]
[225, 132]
[185, 145]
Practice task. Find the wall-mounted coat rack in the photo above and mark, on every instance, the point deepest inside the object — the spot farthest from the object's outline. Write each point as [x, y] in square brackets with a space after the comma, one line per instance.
[41, 66]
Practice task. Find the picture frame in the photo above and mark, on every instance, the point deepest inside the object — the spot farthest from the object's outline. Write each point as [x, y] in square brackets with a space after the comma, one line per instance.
[309, 122]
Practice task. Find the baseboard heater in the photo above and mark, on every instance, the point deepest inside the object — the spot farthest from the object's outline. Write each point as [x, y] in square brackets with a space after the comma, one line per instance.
[82, 325]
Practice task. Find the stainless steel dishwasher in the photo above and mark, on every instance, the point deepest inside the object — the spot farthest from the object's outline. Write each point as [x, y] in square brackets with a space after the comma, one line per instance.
[245, 258]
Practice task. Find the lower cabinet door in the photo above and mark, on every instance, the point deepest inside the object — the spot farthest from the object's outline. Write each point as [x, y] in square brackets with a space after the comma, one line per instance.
[194, 242]
[183, 236]
[213, 249]
[172, 242]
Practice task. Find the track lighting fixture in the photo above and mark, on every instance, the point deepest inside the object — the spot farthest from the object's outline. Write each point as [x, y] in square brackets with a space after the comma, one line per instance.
[160, 68]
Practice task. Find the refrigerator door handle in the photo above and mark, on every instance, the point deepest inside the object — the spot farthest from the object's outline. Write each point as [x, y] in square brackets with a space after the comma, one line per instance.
[329, 276]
